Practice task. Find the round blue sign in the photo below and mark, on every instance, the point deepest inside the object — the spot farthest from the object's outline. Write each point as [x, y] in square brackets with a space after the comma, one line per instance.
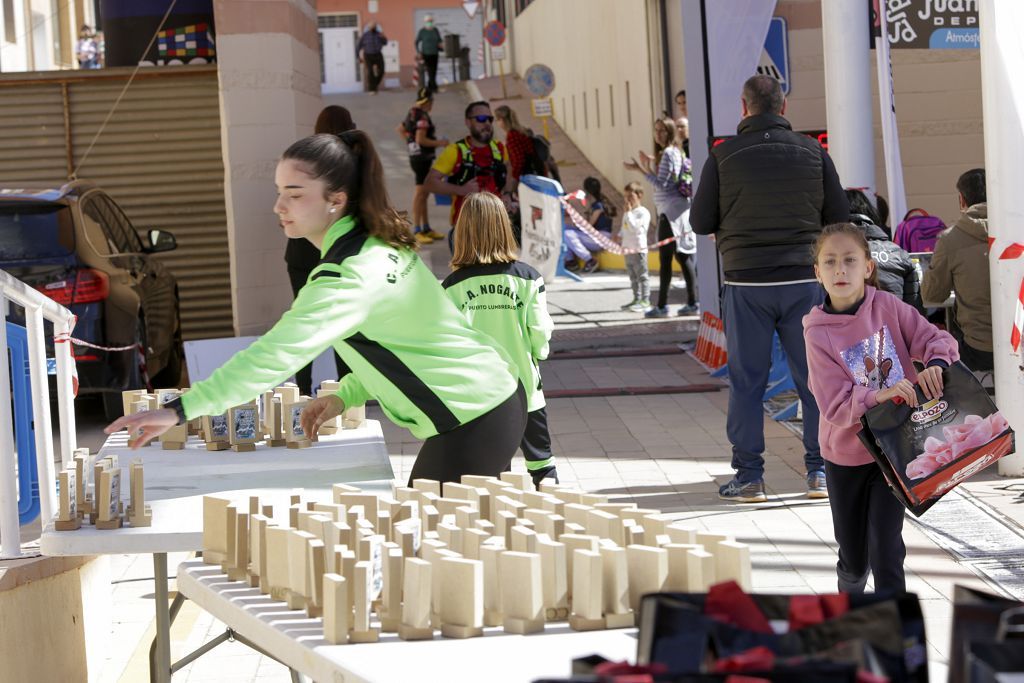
[540, 80]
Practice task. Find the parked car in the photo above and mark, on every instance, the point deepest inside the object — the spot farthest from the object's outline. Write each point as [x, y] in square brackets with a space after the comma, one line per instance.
[76, 246]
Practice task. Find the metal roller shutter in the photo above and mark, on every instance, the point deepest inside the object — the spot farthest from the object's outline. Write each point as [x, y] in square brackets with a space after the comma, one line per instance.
[159, 158]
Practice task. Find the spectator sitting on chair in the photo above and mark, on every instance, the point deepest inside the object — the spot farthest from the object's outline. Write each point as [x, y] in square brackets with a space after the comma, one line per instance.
[960, 263]
[599, 214]
[370, 51]
[896, 271]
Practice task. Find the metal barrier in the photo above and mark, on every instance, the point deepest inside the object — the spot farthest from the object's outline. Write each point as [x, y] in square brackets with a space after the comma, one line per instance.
[24, 432]
[38, 309]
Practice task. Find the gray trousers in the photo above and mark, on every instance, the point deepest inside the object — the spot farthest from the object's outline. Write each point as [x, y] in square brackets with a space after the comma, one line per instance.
[636, 266]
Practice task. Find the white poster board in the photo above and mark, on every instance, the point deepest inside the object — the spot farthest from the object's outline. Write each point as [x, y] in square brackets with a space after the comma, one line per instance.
[541, 219]
[203, 356]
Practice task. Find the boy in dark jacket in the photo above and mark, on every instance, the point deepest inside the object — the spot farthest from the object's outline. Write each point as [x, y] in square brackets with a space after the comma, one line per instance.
[897, 273]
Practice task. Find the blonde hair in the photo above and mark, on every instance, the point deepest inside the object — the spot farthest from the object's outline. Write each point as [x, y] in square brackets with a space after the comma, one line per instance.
[508, 114]
[483, 233]
[635, 188]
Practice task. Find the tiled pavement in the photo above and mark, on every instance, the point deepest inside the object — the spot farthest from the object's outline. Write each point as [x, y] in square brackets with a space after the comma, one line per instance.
[665, 451]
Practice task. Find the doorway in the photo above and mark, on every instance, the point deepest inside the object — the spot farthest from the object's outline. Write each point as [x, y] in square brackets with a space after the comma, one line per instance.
[339, 67]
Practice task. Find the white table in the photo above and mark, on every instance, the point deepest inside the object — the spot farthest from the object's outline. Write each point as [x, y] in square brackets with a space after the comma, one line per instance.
[176, 481]
[296, 640]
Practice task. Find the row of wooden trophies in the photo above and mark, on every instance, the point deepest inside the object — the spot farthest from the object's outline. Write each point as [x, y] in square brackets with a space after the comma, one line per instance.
[275, 419]
[101, 505]
[490, 552]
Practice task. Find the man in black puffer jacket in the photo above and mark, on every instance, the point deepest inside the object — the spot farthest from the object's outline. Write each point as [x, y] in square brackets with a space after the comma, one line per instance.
[765, 195]
[896, 271]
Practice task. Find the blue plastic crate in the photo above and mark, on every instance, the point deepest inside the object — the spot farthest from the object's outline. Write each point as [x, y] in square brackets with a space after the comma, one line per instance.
[24, 431]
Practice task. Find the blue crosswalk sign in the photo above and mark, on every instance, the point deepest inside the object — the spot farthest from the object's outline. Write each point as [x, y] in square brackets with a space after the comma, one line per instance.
[775, 55]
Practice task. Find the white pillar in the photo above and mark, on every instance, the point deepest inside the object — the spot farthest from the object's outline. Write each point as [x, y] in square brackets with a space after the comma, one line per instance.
[848, 101]
[1002, 94]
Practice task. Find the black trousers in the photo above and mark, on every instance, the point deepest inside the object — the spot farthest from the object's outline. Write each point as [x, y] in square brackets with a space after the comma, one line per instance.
[374, 71]
[536, 444]
[484, 446]
[666, 253]
[868, 523]
[430, 61]
[304, 377]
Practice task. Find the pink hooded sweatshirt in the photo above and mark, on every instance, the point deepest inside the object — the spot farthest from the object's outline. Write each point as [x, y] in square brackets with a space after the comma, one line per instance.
[851, 357]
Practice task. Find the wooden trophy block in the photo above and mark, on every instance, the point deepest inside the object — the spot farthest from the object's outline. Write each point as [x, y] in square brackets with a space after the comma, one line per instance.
[732, 562]
[289, 392]
[273, 420]
[391, 613]
[174, 438]
[243, 427]
[489, 557]
[678, 580]
[67, 516]
[587, 590]
[522, 592]
[332, 426]
[466, 516]
[215, 529]
[615, 579]
[552, 488]
[574, 542]
[109, 502]
[680, 533]
[239, 568]
[462, 598]
[648, 572]
[701, 570]
[83, 502]
[416, 586]
[315, 561]
[477, 480]
[299, 586]
[337, 609]
[293, 434]
[361, 599]
[472, 540]
[232, 528]
[605, 525]
[427, 485]
[353, 418]
[576, 513]
[258, 552]
[555, 580]
[275, 580]
[215, 432]
[131, 397]
[523, 540]
[459, 491]
[520, 480]
[139, 513]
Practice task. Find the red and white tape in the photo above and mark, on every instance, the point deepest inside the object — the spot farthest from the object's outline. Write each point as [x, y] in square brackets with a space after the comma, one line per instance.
[1018, 320]
[601, 238]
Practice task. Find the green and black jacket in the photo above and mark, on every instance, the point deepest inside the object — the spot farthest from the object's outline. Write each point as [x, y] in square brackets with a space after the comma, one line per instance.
[507, 302]
[383, 311]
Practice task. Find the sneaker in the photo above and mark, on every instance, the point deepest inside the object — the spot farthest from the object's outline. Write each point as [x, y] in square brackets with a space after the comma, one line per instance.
[548, 475]
[657, 312]
[751, 492]
[816, 485]
[433, 234]
[630, 306]
[640, 306]
[590, 266]
[423, 238]
[688, 309]
[572, 266]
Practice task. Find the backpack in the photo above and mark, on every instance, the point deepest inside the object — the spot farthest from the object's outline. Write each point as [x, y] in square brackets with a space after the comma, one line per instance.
[466, 168]
[917, 233]
[540, 162]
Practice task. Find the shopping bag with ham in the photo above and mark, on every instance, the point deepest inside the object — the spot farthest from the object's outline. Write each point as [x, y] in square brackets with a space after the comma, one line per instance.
[928, 450]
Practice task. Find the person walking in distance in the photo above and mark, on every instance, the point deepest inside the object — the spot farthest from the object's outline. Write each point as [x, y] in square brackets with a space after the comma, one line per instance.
[370, 51]
[476, 163]
[428, 46]
[665, 171]
[374, 300]
[861, 346]
[505, 299]
[301, 257]
[421, 140]
[765, 195]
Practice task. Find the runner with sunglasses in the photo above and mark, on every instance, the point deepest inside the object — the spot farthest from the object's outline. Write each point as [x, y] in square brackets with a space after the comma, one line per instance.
[477, 163]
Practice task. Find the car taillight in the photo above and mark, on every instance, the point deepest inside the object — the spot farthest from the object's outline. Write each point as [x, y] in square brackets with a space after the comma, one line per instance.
[86, 286]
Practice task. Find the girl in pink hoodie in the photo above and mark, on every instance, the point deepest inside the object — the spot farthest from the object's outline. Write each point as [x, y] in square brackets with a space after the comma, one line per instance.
[861, 348]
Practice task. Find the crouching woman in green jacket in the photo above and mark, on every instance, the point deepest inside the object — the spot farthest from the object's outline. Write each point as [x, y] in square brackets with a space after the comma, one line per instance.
[372, 299]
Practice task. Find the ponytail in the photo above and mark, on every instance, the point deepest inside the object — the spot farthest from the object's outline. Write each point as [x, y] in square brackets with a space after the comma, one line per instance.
[349, 163]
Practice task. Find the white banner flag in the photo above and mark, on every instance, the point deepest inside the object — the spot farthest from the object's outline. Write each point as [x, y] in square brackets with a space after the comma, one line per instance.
[890, 133]
[541, 219]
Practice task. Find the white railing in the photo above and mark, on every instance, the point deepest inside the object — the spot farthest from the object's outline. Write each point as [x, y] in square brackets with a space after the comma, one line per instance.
[37, 309]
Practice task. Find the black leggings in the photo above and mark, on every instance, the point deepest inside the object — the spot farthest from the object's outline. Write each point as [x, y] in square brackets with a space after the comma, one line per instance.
[665, 254]
[482, 446]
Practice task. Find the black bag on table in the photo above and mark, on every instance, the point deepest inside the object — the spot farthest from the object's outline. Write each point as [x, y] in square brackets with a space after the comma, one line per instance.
[925, 452]
[976, 621]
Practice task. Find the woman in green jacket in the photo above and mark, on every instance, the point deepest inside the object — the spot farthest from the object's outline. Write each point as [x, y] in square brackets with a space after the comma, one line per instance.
[372, 299]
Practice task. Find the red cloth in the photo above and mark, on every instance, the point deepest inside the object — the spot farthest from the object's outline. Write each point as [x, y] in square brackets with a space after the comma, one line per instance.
[520, 147]
[807, 610]
[754, 659]
[727, 603]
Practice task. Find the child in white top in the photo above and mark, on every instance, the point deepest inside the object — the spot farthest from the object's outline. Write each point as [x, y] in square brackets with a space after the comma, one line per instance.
[633, 235]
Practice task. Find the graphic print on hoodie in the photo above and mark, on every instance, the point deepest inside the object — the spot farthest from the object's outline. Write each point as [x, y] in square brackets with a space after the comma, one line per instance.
[873, 361]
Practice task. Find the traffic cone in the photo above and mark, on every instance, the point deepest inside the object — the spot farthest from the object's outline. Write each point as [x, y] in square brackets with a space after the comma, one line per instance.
[701, 351]
[719, 355]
